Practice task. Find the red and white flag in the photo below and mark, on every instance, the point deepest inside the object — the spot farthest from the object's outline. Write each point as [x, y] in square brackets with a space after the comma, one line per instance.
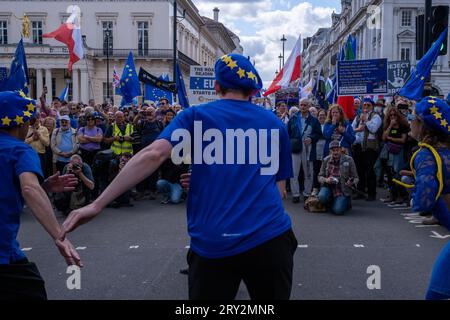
[69, 33]
[290, 72]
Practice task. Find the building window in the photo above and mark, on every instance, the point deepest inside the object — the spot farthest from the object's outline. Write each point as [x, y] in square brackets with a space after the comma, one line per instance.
[406, 18]
[107, 32]
[3, 32]
[36, 27]
[143, 38]
[405, 54]
[107, 87]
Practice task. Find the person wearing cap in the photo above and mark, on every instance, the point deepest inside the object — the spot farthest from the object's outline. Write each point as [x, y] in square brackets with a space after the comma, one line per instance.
[64, 143]
[365, 149]
[23, 182]
[337, 176]
[238, 227]
[431, 190]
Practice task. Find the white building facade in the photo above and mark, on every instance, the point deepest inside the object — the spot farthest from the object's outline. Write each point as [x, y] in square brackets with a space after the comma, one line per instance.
[144, 27]
[388, 32]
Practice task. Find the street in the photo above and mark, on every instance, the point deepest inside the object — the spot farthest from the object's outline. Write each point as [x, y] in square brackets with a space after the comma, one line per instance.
[136, 253]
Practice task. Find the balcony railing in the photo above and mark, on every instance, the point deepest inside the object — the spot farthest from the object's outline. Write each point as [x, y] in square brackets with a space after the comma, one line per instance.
[123, 53]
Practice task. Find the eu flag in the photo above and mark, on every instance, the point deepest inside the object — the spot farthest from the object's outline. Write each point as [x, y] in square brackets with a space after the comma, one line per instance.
[182, 96]
[413, 88]
[153, 93]
[18, 72]
[130, 86]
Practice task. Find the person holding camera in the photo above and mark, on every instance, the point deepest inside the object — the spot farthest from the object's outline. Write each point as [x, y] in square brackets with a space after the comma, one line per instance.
[337, 176]
[81, 195]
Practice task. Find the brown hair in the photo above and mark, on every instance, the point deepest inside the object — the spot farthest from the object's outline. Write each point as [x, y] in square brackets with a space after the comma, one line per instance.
[402, 121]
[342, 117]
[245, 92]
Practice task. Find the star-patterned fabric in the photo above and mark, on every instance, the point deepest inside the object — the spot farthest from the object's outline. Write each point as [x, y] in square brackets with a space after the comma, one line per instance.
[234, 71]
[435, 113]
[15, 108]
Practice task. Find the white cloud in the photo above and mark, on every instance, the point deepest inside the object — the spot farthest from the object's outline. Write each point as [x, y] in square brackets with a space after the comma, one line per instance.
[261, 24]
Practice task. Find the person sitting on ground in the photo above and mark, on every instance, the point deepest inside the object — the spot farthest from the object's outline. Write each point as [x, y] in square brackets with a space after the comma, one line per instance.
[337, 176]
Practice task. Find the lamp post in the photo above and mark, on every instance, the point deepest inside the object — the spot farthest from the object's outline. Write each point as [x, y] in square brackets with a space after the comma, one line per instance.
[281, 60]
[283, 40]
[107, 34]
[175, 14]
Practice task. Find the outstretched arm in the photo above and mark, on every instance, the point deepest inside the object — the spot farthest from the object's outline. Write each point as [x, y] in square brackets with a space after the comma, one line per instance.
[137, 169]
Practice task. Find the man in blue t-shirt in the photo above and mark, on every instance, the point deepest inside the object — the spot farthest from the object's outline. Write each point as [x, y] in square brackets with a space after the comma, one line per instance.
[21, 182]
[241, 157]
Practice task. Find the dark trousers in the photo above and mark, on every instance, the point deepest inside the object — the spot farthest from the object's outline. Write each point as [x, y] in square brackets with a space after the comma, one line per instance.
[149, 183]
[317, 164]
[88, 156]
[266, 271]
[60, 166]
[21, 281]
[365, 162]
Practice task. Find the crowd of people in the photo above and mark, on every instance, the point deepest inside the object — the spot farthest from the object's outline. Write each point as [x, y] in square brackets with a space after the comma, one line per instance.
[337, 160]
[95, 141]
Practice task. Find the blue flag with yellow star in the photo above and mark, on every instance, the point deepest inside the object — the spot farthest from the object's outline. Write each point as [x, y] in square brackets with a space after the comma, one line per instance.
[18, 72]
[130, 86]
[413, 88]
[181, 89]
[153, 93]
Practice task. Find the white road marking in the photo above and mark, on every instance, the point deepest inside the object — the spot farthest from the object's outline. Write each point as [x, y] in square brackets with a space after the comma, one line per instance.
[416, 221]
[80, 248]
[358, 245]
[427, 226]
[303, 246]
[439, 236]
[134, 247]
[410, 214]
[187, 247]
[27, 249]
[418, 245]
[402, 208]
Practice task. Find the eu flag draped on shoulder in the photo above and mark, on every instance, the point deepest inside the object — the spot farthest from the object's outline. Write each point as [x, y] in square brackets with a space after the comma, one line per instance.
[181, 89]
[413, 88]
[130, 86]
[18, 72]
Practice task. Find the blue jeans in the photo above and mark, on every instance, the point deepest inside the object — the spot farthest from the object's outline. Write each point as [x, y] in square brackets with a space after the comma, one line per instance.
[339, 205]
[174, 190]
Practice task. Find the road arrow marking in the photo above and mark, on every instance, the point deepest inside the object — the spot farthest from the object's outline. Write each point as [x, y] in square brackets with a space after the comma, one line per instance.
[439, 236]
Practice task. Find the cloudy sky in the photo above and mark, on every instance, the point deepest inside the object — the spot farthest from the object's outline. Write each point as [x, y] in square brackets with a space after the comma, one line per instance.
[260, 24]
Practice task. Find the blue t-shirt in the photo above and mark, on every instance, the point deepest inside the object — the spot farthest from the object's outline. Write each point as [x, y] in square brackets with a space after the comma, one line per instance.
[66, 144]
[16, 157]
[233, 208]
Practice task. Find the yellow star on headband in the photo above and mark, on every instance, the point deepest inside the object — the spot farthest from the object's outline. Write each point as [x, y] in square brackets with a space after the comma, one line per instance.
[444, 123]
[227, 59]
[438, 115]
[27, 114]
[232, 64]
[434, 109]
[6, 121]
[30, 107]
[252, 76]
[241, 73]
[18, 120]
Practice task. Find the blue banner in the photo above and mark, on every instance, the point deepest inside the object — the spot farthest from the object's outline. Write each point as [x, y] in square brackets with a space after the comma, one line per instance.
[362, 77]
[200, 83]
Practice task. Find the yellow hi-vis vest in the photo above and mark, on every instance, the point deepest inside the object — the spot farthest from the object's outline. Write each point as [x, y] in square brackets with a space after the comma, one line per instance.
[125, 146]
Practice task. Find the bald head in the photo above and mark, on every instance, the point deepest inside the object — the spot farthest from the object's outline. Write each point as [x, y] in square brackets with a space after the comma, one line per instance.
[119, 117]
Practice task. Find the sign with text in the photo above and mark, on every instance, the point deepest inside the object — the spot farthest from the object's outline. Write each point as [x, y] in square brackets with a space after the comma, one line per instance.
[201, 85]
[398, 74]
[362, 77]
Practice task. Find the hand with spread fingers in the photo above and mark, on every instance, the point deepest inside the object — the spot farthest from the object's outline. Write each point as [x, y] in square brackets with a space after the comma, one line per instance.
[57, 183]
[69, 253]
[79, 217]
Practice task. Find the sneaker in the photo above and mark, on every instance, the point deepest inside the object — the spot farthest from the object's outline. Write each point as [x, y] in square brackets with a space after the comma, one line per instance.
[430, 221]
[295, 199]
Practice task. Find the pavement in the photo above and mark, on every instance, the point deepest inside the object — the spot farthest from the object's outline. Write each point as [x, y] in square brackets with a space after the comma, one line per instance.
[136, 253]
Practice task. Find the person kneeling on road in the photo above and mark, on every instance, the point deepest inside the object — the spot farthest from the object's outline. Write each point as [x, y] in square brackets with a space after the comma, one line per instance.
[337, 176]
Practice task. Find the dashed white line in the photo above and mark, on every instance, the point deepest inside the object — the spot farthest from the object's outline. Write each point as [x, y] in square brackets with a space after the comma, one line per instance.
[187, 247]
[427, 226]
[418, 245]
[402, 208]
[358, 245]
[134, 247]
[303, 246]
[27, 249]
[80, 248]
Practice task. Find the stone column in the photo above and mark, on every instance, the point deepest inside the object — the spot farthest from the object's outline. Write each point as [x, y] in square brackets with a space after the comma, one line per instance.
[48, 83]
[75, 86]
[39, 83]
[84, 86]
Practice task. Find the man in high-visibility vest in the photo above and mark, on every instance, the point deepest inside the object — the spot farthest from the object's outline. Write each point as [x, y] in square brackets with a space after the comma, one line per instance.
[119, 134]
